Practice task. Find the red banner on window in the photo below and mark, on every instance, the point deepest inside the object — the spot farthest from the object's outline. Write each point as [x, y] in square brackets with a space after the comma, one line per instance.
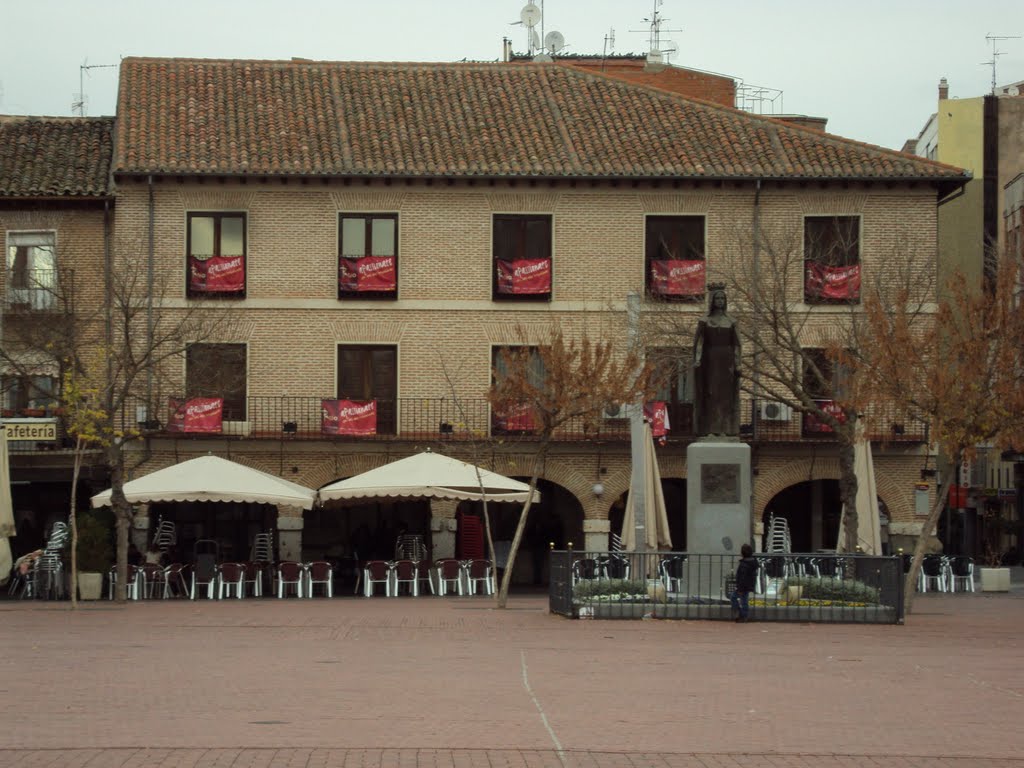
[198, 415]
[220, 274]
[656, 414]
[673, 277]
[516, 418]
[815, 426]
[833, 282]
[524, 276]
[348, 417]
[368, 273]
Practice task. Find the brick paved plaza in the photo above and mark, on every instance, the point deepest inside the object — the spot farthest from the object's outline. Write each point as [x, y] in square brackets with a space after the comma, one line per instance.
[453, 682]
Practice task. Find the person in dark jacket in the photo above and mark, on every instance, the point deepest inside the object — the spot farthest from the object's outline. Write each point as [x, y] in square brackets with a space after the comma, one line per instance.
[746, 578]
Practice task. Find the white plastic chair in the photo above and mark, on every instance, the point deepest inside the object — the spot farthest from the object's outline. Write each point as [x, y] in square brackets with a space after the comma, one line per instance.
[671, 571]
[449, 574]
[405, 572]
[478, 573]
[961, 573]
[376, 572]
[290, 575]
[230, 578]
[319, 572]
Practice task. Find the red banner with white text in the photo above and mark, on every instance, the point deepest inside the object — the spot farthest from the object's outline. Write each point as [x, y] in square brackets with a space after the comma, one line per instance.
[833, 282]
[348, 417]
[817, 426]
[524, 276]
[674, 277]
[197, 415]
[368, 273]
[515, 417]
[656, 414]
[217, 274]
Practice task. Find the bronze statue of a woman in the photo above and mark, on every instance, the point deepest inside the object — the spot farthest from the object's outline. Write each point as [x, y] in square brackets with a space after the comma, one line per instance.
[716, 370]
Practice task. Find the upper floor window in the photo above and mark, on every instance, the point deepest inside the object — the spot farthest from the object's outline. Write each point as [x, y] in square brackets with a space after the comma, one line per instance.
[368, 255]
[516, 417]
[368, 373]
[28, 395]
[218, 370]
[824, 379]
[31, 270]
[522, 257]
[216, 254]
[832, 259]
[674, 257]
[673, 381]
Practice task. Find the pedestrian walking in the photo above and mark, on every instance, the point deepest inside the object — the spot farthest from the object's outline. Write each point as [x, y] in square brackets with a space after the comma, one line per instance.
[746, 577]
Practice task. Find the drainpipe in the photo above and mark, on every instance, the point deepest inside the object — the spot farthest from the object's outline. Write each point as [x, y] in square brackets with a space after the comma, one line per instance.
[149, 300]
[756, 228]
[108, 287]
[756, 271]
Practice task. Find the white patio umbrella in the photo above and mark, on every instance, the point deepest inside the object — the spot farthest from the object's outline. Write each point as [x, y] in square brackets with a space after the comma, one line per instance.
[211, 478]
[429, 476]
[869, 531]
[6, 509]
[656, 515]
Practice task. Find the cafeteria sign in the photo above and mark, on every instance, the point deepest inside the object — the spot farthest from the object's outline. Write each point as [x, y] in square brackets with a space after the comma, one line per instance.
[31, 430]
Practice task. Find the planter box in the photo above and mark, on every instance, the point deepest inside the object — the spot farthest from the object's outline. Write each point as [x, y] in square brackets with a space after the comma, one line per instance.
[995, 579]
[90, 586]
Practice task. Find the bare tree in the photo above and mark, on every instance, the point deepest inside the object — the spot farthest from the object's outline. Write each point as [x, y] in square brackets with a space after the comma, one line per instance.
[961, 369]
[796, 296]
[117, 344]
[542, 385]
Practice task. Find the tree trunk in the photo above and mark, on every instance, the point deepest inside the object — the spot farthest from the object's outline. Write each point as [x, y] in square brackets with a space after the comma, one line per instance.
[73, 518]
[910, 583]
[506, 579]
[848, 495]
[122, 515]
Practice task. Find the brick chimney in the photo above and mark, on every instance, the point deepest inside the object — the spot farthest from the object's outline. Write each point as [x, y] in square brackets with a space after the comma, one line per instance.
[943, 89]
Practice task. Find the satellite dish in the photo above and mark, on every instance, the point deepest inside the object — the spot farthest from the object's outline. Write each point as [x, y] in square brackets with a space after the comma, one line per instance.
[530, 15]
[542, 58]
[534, 39]
[554, 41]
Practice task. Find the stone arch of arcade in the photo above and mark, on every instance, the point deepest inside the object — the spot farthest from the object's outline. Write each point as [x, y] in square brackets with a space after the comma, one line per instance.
[800, 470]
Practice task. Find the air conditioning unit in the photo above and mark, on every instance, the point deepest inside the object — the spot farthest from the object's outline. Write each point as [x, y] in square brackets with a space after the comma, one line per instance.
[768, 410]
[616, 411]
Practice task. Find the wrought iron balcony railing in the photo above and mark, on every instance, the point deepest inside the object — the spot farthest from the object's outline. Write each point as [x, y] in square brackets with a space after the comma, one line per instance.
[442, 418]
[31, 289]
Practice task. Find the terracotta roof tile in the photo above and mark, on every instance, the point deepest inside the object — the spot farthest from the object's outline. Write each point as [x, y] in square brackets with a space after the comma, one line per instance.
[192, 116]
[55, 156]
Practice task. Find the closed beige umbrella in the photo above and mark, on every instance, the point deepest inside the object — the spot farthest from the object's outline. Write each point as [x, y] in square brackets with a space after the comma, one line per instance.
[869, 530]
[6, 509]
[656, 528]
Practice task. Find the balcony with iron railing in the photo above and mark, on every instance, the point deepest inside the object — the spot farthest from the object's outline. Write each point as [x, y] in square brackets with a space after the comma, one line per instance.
[445, 419]
[31, 290]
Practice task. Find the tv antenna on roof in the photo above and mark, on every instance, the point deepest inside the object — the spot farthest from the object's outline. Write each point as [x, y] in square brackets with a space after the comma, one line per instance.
[996, 54]
[654, 40]
[530, 16]
[81, 101]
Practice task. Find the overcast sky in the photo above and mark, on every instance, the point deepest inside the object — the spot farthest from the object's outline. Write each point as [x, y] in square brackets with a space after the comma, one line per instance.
[872, 68]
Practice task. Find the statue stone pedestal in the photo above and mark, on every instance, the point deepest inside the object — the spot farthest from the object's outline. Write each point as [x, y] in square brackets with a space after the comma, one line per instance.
[718, 498]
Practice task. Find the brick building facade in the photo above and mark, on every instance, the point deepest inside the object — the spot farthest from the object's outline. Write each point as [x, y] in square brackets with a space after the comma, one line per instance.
[438, 167]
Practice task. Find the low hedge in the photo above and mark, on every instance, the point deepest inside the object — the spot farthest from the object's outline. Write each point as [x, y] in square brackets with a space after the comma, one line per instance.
[835, 590]
[591, 589]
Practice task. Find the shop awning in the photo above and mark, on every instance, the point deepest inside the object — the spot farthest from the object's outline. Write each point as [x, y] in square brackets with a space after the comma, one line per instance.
[211, 478]
[429, 476]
